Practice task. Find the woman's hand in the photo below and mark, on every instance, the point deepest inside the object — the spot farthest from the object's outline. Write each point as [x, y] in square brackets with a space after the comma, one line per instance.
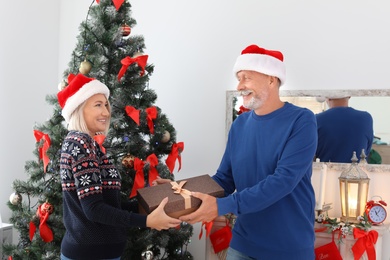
[159, 180]
[159, 220]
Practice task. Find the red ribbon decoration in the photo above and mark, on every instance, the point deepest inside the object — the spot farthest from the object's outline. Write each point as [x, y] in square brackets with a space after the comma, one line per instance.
[117, 3]
[153, 162]
[151, 113]
[100, 139]
[126, 62]
[207, 227]
[139, 179]
[177, 149]
[44, 229]
[242, 110]
[43, 149]
[133, 113]
[365, 242]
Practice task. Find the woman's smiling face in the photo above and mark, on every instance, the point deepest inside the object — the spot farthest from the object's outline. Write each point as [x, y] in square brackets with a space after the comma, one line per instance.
[97, 114]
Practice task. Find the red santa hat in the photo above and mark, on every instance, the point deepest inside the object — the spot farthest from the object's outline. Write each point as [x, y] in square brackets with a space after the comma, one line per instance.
[258, 59]
[79, 89]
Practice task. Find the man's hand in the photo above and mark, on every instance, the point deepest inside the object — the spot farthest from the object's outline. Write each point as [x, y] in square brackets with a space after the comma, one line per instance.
[207, 211]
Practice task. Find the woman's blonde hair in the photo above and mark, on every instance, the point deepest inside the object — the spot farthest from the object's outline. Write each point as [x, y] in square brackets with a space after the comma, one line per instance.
[77, 121]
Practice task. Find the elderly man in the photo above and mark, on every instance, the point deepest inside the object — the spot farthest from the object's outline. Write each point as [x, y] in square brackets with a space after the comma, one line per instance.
[266, 168]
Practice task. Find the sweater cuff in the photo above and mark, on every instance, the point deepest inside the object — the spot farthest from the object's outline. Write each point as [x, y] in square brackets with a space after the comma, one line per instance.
[137, 220]
[226, 205]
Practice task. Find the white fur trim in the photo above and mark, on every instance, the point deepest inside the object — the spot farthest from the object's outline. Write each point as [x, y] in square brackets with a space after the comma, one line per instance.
[88, 90]
[261, 63]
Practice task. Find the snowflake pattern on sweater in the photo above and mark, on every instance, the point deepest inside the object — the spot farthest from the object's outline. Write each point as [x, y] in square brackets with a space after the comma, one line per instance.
[95, 218]
[85, 168]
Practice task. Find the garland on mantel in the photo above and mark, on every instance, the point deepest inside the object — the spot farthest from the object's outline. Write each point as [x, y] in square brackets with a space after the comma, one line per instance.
[365, 238]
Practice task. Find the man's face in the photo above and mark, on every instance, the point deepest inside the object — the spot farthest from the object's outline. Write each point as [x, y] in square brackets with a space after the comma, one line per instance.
[253, 87]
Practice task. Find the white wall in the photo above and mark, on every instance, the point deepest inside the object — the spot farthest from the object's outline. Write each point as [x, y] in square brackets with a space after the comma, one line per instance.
[193, 45]
[28, 72]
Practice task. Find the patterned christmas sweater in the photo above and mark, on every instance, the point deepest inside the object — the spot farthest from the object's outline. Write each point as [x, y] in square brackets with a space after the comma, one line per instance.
[94, 217]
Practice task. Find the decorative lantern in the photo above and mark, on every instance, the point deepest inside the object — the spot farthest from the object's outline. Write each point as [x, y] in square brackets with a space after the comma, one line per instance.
[353, 191]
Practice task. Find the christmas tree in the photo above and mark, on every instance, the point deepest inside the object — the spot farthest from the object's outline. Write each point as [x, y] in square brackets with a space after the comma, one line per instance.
[141, 142]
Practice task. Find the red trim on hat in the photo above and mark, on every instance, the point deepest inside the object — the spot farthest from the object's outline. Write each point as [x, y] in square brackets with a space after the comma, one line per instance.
[254, 49]
[75, 83]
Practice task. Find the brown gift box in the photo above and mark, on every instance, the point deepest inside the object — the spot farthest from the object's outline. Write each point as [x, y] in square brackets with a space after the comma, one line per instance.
[150, 197]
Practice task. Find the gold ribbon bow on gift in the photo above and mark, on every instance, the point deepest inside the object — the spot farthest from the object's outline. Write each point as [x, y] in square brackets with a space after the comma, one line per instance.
[178, 189]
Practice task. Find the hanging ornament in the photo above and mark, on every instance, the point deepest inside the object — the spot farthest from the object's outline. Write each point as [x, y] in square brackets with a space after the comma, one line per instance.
[47, 208]
[128, 161]
[62, 85]
[147, 255]
[137, 54]
[126, 30]
[165, 137]
[85, 67]
[15, 198]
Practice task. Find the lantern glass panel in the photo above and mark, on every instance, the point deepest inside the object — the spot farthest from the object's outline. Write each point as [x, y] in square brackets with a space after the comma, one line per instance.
[353, 191]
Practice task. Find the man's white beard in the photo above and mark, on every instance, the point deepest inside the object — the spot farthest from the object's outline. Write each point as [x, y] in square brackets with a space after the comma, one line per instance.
[255, 103]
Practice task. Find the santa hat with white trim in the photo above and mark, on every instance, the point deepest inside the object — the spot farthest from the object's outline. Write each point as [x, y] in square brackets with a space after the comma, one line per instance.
[79, 89]
[258, 59]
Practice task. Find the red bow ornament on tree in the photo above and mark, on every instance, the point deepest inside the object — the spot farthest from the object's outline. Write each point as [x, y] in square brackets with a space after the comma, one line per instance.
[43, 213]
[126, 62]
[100, 140]
[176, 151]
[365, 242]
[39, 136]
[117, 3]
[139, 179]
[133, 113]
[153, 162]
[151, 114]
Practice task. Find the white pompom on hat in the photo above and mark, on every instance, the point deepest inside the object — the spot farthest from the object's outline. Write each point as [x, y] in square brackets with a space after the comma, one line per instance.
[79, 89]
[258, 59]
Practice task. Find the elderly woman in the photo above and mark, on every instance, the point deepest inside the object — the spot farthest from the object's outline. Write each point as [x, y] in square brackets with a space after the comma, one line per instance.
[94, 219]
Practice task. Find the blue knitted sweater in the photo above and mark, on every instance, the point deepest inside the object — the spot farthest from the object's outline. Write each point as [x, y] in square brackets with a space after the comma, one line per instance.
[341, 131]
[266, 173]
